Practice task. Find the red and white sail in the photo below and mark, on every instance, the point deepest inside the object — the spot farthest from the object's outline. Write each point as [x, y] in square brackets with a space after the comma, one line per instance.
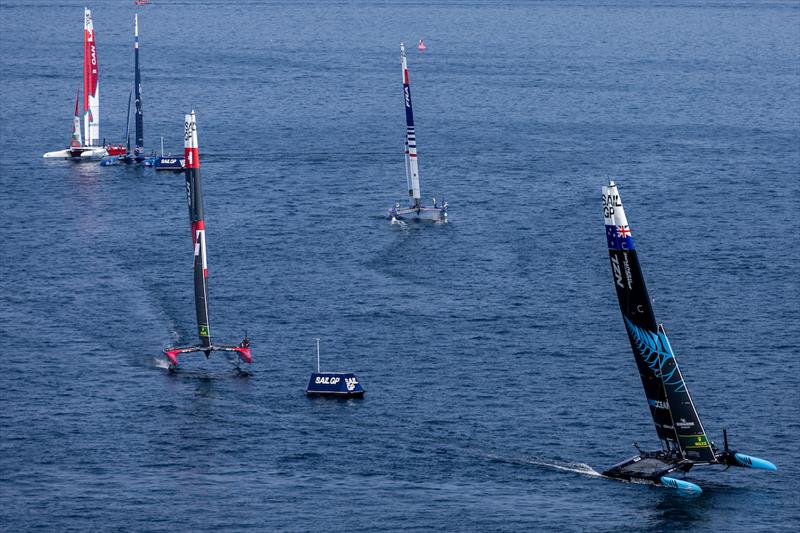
[91, 85]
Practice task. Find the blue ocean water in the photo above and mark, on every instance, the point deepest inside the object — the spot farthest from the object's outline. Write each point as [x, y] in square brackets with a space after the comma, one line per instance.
[499, 378]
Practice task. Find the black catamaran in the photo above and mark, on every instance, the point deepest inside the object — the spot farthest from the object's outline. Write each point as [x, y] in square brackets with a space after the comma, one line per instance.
[684, 442]
[194, 196]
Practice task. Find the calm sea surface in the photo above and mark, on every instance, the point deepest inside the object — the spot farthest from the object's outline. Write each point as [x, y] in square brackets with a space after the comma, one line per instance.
[498, 374]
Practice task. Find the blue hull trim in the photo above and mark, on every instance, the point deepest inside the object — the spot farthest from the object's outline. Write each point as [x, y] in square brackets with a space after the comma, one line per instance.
[680, 485]
[754, 462]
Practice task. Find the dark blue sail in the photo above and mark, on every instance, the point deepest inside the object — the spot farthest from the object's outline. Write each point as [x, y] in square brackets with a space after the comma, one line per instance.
[137, 87]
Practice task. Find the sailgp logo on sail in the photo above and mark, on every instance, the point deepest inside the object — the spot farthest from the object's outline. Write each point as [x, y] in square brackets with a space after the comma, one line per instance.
[188, 129]
[609, 203]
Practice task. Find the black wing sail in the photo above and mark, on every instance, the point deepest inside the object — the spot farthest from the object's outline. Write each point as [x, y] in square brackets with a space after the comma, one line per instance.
[194, 196]
[137, 82]
[677, 423]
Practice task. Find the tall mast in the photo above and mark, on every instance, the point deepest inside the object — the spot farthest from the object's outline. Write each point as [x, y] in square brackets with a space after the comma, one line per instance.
[194, 196]
[411, 136]
[137, 83]
[674, 415]
[91, 86]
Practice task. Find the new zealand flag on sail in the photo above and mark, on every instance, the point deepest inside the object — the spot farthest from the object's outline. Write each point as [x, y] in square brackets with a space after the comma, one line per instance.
[619, 238]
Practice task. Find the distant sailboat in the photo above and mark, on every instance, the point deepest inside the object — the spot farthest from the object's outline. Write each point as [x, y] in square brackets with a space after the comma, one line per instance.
[91, 146]
[684, 441]
[415, 210]
[138, 149]
[135, 155]
[194, 193]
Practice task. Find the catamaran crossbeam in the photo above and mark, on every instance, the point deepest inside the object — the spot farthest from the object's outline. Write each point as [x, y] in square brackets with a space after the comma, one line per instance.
[242, 350]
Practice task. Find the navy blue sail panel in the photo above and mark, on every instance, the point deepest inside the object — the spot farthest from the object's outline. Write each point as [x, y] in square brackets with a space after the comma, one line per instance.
[194, 197]
[677, 423]
[137, 82]
[407, 99]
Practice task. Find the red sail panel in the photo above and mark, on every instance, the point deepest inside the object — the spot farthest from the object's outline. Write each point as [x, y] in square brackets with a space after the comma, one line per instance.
[91, 100]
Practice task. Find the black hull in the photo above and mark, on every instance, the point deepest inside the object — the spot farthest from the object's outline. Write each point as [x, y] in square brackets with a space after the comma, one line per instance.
[648, 466]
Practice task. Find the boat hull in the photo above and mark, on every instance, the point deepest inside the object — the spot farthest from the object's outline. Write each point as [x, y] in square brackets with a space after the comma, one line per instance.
[649, 466]
[418, 214]
[86, 153]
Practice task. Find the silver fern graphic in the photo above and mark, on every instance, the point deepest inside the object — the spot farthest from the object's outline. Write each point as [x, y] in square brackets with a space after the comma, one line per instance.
[654, 349]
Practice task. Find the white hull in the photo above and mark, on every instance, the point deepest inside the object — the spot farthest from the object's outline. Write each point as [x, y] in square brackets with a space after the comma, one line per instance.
[78, 154]
[412, 214]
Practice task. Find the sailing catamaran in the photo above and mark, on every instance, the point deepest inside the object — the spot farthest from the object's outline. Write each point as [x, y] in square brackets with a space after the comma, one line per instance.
[138, 149]
[415, 209]
[91, 147]
[137, 154]
[684, 442]
[194, 196]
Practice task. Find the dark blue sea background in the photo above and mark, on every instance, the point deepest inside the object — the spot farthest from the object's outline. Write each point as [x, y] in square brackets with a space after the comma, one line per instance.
[498, 373]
